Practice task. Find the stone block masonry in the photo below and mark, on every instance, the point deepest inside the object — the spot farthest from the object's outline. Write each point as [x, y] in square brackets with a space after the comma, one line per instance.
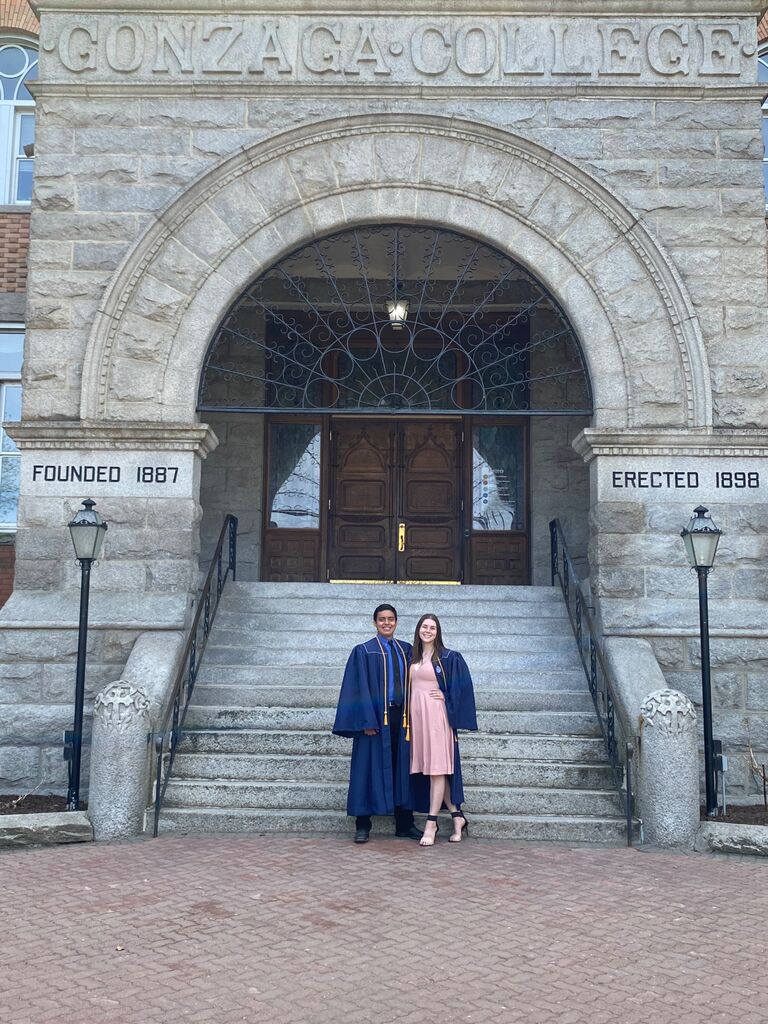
[647, 488]
[616, 155]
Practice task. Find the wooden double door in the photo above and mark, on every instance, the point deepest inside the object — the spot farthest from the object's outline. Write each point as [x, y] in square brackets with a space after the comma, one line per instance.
[421, 500]
[396, 508]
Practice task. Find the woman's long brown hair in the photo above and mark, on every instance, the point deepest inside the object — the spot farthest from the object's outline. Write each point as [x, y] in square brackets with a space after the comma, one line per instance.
[417, 644]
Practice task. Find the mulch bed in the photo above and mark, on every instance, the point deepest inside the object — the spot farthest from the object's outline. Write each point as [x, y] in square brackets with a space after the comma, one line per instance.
[754, 814]
[32, 804]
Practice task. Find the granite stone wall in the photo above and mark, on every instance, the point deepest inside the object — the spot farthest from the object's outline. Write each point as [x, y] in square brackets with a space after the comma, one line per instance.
[617, 156]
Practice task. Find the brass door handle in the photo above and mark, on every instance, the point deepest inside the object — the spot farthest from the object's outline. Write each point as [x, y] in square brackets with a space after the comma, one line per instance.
[401, 537]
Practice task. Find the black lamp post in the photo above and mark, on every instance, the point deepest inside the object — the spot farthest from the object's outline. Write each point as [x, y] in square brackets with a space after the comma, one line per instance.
[87, 530]
[701, 538]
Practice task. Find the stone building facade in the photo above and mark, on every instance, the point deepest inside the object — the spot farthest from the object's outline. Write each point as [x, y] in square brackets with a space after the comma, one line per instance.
[613, 160]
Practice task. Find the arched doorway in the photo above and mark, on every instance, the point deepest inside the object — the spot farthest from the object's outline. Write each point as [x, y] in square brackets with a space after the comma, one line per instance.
[403, 381]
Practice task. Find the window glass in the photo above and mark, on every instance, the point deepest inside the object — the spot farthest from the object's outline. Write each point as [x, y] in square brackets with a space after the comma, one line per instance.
[498, 468]
[26, 132]
[11, 349]
[13, 60]
[23, 191]
[18, 64]
[762, 67]
[25, 136]
[11, 413]
[294, 476]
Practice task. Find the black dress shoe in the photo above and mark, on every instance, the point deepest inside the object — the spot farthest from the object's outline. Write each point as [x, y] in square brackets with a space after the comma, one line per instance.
[409, 833]
[362, 835]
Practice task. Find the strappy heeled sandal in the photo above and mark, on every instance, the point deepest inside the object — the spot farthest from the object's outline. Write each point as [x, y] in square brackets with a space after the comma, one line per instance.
[464, 827]
[430, 840]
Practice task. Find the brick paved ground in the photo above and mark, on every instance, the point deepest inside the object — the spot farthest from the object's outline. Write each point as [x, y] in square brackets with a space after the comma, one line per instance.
[279, 930]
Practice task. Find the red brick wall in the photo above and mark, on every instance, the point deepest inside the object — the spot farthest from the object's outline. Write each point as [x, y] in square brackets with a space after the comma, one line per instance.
[7, 562]
[14, 243]
[17, 14]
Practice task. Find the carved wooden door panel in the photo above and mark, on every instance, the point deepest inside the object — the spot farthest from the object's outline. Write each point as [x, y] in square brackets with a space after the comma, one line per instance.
[395, 508]
[362, 540]
[429, 501]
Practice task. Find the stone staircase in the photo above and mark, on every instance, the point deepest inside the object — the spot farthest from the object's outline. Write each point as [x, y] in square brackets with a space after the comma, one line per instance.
[259, 756]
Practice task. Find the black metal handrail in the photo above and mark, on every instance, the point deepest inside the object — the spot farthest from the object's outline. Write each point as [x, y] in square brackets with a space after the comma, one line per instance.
[619, 740]
[167, 736]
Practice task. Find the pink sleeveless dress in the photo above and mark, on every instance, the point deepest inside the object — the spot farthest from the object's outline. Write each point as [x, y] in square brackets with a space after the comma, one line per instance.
[431, 734]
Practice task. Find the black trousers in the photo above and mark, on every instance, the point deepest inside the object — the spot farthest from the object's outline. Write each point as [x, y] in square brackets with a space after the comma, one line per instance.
[403, 816]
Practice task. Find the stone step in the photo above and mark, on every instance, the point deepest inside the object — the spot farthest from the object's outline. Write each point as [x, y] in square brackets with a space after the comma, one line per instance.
[261, 694]
[540, 659]
[402, 594]
[333, 796]
[330, 675]
[609, 831]
[560, 723]
[238, 640]
[486, 620]
[335, 768]
[571, 749]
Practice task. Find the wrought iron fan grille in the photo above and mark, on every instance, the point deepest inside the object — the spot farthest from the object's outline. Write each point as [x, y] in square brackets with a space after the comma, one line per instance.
[395, 318]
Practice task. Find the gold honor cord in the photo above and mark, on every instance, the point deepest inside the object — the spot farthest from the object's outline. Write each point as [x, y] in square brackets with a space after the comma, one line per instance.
[406, 694]
[386, 681]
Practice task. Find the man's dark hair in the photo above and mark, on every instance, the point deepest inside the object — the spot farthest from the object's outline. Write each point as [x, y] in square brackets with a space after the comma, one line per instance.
[384, 608]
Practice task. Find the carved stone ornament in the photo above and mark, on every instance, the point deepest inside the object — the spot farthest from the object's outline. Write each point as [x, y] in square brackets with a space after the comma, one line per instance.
[670, 711]
[119, 704]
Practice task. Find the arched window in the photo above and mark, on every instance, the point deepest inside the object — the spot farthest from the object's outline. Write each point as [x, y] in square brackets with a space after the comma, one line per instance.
[18, 66]
[396, 318]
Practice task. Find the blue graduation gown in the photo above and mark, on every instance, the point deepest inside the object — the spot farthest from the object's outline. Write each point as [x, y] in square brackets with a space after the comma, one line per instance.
[362, 705]
[456, 683]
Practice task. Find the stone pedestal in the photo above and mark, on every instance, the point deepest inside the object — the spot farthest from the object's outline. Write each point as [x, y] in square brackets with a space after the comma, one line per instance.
[119, 762]
[669, 770]
[124, 717]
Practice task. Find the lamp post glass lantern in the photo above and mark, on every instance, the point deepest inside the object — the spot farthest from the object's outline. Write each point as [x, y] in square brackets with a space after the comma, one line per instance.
[87, 531]
[701, 538]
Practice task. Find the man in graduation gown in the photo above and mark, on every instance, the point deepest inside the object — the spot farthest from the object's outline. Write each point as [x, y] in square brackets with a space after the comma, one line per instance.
[371, 712]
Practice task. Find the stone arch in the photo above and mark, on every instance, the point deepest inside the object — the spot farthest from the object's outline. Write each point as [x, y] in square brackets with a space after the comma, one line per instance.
[626, 301]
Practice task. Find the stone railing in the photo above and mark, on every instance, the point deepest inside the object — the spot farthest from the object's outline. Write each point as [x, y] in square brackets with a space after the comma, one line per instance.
[124, 719]
[667, 751]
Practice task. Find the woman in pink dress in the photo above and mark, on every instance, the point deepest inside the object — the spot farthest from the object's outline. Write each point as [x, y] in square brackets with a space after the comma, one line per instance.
[440, 701]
